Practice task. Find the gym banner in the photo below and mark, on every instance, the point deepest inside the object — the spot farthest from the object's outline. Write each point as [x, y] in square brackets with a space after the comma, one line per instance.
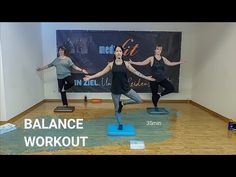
[92, 50]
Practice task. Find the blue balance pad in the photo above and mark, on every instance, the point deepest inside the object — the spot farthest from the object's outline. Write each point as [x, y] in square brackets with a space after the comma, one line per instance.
[128, 130]
[157, 111]
[7, 128]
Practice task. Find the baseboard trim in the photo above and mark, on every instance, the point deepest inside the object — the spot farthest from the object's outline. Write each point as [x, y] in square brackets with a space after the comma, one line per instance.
[110, 101]
[210, 111]
[73, 100]
[12, 120]
[173, 101]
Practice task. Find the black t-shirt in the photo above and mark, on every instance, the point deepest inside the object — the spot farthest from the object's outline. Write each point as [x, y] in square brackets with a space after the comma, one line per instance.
[158, 69]
[120, 83]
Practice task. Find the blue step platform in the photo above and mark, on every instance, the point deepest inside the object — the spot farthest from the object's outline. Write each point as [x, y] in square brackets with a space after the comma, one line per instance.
[157, 111]
[7, 128]
[128, 130]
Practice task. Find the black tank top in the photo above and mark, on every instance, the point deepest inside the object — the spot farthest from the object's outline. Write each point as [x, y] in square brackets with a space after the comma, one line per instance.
[158, 69]
[120, 83]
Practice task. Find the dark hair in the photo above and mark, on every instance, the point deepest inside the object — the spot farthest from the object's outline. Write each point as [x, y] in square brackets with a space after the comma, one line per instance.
[158, 45]
[122, 49]
[64, 49]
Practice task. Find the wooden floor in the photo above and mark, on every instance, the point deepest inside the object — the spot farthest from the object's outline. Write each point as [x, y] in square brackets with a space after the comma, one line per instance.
[194, 132]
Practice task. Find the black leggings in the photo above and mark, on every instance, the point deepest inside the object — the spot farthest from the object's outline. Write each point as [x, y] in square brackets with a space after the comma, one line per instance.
[168, 88]
[67, 82]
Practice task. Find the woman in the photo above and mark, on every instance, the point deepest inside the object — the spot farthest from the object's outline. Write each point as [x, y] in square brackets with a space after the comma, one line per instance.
[63, 66]
[158, 72]
[120, 83]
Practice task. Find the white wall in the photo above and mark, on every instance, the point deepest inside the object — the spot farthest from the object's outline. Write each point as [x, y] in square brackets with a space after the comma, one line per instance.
[187, 53]
[214, 74]
[21, 54]
[2, 90]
